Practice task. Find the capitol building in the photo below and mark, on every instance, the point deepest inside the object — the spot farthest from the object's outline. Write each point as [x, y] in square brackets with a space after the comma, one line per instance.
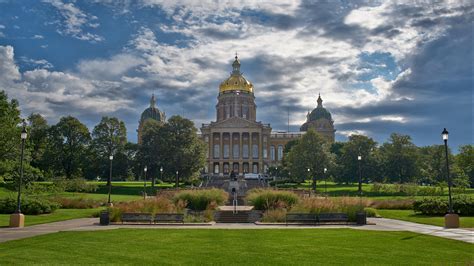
[236, 140]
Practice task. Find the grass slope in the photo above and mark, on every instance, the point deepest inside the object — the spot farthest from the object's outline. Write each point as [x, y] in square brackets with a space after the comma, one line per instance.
[411, 216]
[58, 215]
[245, 247]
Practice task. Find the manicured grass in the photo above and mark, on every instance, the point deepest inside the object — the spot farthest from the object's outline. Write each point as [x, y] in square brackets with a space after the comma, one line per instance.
[231, 247]
[58, 215]
[411, 216]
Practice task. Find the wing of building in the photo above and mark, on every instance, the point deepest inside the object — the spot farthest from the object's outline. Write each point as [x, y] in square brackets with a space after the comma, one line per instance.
[236, 141]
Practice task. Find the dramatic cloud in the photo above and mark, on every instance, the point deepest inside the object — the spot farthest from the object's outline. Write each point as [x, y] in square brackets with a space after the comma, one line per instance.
[380, 66]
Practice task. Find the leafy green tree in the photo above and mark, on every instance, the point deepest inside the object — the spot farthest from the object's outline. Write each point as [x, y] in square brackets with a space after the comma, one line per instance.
[400, 159]
[174, 146]
[68, 142]
[433, 164]
[109, 138]
[38, 139]
[465, 161]
[9, 129]
[348, 163]
[311, 152]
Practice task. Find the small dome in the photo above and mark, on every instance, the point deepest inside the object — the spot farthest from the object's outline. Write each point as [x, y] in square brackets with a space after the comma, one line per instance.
[319, 112]
[236, 81]
[152, 112]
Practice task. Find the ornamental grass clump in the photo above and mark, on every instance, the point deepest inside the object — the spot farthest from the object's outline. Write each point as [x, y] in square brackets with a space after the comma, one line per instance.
[317, 205]
[77, 203]
[268, 199]
[200, 200]
[396, 204]
[152, 206]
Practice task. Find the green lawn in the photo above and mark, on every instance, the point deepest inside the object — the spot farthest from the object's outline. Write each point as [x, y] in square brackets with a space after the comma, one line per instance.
[58, 215]
[411, 216]
[244, 247]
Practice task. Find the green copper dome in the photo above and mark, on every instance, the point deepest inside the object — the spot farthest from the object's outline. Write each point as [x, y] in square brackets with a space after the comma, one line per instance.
[319, 112]
[152, 112]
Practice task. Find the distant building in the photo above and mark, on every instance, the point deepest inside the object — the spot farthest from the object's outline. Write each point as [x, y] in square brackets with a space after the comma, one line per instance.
[151, 113]
[320, 120]
[236, 141]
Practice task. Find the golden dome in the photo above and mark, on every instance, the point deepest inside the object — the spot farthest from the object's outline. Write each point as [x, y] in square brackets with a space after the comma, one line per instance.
[236, 81]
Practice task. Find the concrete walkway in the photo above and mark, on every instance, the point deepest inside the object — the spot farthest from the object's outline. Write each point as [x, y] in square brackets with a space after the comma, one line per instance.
[379, 224]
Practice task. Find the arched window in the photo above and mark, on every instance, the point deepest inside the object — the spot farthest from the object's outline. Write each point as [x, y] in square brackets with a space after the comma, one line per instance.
[272, 153]
[280, 152]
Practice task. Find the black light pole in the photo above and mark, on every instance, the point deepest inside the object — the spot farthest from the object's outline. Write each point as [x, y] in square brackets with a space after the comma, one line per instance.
[23, 139]
[451, 219]
[359, 158]
[177, 180]
[445, 138]
[144, 183]
[17, 219]
[109, 181]
[325, 185]
[161, 173]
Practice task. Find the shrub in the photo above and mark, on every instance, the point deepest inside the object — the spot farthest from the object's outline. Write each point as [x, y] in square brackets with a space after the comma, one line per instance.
[398, 204]
[347, 205]
[462, 204]
[156, 205]
[77, 203]
[199, 200]
[274, 216]
[30, 206]
[265, 199]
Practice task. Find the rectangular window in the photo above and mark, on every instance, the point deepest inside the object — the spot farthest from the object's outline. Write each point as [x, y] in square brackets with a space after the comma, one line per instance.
[245, 151]
[216, 151]
[264, 153]
[235, 151]
[226, 151]
[255, 151]
[272, 153]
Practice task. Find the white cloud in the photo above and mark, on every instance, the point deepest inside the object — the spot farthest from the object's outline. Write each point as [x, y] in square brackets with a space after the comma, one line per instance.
[38, 37]
[109, 68]
[40, 63]
[74, 21]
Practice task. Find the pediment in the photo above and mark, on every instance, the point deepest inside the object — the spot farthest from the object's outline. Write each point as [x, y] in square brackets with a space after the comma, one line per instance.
[236, 122]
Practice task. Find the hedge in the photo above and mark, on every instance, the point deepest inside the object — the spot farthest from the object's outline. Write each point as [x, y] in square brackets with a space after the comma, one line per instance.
[462, 205]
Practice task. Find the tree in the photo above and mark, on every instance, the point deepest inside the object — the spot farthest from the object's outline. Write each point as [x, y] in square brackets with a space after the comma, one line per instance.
[174, 146]
[38, 139]
[9, 129]
[465, 161]
[109, 138]
[348, 164]
[311, 152]
[433, 164]
[68, 141]
[400, 159]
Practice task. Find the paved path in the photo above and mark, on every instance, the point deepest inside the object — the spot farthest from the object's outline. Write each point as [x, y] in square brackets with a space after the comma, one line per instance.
[379, 224]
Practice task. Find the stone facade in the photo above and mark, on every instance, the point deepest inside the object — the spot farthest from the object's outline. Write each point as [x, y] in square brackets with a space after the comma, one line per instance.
[236, 141]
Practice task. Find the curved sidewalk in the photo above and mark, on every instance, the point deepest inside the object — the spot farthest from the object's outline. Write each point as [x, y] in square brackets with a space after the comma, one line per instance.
[379, 224]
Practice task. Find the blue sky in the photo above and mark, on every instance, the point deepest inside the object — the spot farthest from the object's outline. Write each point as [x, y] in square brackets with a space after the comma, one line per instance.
[380, 66]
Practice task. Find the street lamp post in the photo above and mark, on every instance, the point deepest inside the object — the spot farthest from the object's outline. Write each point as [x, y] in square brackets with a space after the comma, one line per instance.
[17, 219]
[325, 185]
[109, 180]
[359, 158]
[451, 219]
[177, 179]
[161, 173]
[144, 182]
